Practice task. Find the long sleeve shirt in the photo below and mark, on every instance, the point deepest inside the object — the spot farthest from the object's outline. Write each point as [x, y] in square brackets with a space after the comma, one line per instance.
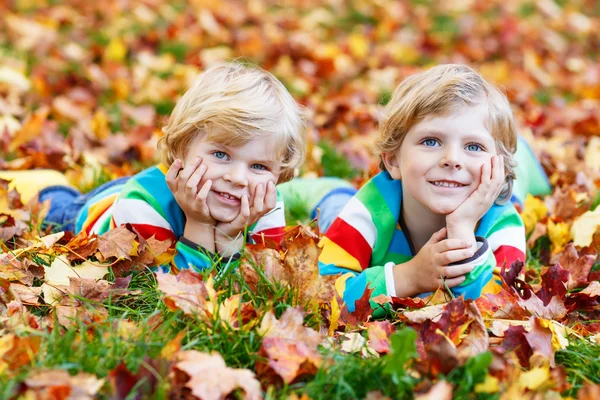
[369, 238]
[146, 202]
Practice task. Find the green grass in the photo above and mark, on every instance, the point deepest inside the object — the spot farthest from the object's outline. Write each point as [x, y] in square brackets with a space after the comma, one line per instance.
[580, 360]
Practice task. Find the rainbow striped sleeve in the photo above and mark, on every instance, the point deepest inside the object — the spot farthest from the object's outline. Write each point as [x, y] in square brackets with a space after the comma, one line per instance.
[503, 235]
[354, 242]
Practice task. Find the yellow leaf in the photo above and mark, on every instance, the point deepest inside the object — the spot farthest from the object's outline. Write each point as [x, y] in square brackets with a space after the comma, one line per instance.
[490, 385]
[559, 235]
[335, 316]
[61, 270]
[359, 45]
[584, 227]
[559, 333]
[534, 378]
[99, 125]
[534, 209]
[115, 51]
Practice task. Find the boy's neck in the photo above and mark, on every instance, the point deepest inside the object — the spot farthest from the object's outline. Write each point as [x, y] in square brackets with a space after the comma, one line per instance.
[420, 222]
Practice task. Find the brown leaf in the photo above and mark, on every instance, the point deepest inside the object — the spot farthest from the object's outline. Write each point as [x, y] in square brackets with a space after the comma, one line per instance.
[540, 340]
[144, 381]
[362, 310]
[555, 309]
[553, 284]
[82, 246]
[578, 267]
[118, 242]
[185, 291]
[442, 390]
[210, 379]
[589, 391]
[515, 340]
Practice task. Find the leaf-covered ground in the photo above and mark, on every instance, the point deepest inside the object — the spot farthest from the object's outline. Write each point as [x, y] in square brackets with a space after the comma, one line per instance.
[85, 87]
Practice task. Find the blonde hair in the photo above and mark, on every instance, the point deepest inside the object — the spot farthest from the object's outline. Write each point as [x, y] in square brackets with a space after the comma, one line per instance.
[437, 92]
[233, 104]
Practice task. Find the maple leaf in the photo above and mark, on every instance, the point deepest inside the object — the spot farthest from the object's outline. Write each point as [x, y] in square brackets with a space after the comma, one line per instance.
[503, 304]
[43, 384]
[553, 284]
[379, 335]
[185, 291]
[515, 340]
[362, 309]
[118, 242]
[209, 378]
[555, 309]
[144, 381]
[477, 339]
[267, 260]
[289, 347]
[579, 267]
[408, 302]
[559, 234]
[589, 391]
[82, 246]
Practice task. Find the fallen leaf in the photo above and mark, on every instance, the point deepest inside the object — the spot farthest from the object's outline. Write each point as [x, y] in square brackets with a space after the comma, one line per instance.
[81, 386]
[118, 242]
[185, 291]
[209, 378]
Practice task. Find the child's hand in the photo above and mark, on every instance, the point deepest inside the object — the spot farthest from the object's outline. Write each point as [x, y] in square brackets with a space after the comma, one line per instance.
[184, 187]
[430, 267]
[226, 234]
[462, 221]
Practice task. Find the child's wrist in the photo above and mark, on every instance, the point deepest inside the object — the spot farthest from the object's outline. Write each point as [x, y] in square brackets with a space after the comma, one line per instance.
[404, 281]
[464, 231]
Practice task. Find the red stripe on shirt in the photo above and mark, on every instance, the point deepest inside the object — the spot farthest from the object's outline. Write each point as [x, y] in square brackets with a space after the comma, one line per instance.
[351, 240]
[159, 233]
[508, 254]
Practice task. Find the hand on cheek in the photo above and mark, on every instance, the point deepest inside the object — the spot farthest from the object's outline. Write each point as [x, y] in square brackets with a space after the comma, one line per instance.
[464, 219]
[183, 181]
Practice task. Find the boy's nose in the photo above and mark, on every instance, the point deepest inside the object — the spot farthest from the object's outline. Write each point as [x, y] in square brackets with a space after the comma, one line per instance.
[451, 159]
[237, 175]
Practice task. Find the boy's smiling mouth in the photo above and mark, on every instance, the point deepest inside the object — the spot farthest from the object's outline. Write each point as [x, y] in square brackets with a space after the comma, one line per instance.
[447, 184]
[227, 197]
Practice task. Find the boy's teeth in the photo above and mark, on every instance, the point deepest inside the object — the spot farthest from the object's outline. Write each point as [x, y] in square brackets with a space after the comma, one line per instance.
[227, 196]
[447, 184]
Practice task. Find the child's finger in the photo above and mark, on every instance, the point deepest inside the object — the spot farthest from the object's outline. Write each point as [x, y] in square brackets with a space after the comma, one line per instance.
[244, 209]
[204, 190]
[184, 175]
[259, 199]
[437, 236]
[270, 196]
[455, 281]
[451, 244]
[191, 186]
[452, 256]
[171, 176]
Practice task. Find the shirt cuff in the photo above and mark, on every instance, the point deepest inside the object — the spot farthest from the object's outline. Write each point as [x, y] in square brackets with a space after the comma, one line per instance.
[390, 284]
[480, 255]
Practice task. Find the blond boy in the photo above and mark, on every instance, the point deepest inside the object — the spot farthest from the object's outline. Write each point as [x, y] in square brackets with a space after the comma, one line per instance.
[438, 214]
[231, 138]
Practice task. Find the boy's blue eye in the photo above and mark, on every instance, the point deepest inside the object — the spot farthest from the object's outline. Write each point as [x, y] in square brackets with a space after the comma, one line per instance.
[430, 142]
[474, 147]
[259, 167]
[220, 155]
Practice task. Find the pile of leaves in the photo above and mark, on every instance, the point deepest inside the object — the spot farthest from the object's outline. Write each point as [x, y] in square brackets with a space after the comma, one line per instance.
[85, 88]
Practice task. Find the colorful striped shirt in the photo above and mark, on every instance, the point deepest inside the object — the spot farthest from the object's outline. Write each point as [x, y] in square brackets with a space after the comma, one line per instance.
[146, 202]
[368, 239]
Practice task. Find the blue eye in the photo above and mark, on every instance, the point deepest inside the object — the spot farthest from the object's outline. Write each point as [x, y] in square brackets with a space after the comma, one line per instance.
[220, 155]
[430, 142]
[259, 167]
[474, 147]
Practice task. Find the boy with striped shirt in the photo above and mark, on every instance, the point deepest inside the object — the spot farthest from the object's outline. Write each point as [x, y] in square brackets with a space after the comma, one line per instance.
[439, 213]
[234, 135]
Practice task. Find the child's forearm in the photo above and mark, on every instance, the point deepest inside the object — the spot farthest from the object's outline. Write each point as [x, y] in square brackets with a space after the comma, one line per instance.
[201, 233]
[462, 231]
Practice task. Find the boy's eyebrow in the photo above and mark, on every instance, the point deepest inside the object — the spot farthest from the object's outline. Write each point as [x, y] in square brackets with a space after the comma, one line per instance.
[429, 131]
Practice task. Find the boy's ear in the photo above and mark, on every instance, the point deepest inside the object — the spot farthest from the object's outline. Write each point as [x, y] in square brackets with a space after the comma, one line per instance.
[392, 165]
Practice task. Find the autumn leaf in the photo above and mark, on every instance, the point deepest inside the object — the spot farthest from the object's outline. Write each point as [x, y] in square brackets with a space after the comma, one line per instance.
[379, 335]
[118, 242]
[16, 352]
[209, 378]
[185, 291]
[579, 267]
[43, 384]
